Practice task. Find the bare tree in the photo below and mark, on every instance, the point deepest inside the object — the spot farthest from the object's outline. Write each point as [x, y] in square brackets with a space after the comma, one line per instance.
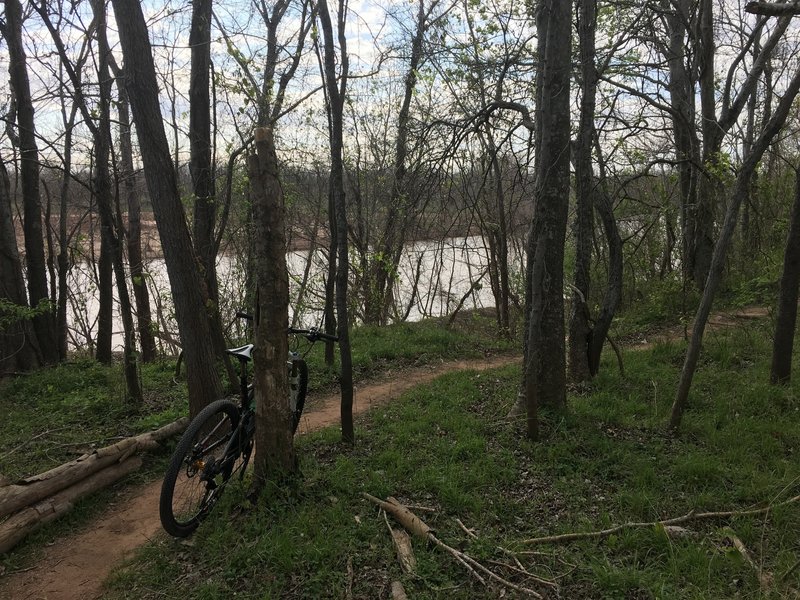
[36, 272]
[182, 266]
[336, 87]
[739, 193]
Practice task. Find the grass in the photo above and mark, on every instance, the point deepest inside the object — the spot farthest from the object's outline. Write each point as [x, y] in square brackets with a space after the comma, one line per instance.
[447, 447]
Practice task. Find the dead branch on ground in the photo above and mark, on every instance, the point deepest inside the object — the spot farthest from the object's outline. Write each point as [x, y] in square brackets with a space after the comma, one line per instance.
[688, 517]
[420, 529]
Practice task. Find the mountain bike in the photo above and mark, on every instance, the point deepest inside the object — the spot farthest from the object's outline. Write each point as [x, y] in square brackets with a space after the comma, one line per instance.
[218, 442]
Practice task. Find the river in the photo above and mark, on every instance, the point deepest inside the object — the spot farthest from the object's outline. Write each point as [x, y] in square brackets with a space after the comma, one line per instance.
[444, 272]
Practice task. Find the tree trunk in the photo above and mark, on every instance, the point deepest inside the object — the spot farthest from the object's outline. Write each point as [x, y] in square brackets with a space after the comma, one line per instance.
[64, 265]
[105, 202]
[18, 343]
[44, 322]
[682, 101]
[739, 193]
[182, 266]
[274, 448]
[783, 342]
[400, 205]
[545, 370]
[336, 105]
[201, 168]
[141, 296]
[613, 294]
[714, 129]
[105, 279]
[579, 326]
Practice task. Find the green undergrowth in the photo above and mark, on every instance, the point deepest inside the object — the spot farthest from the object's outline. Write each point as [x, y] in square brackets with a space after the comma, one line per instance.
[56, 414]
[447, 450]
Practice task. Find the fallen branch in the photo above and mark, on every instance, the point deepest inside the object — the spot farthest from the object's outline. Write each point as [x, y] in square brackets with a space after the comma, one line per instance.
[466, 530]
[688, 517]
[29, 440]
[416, 526]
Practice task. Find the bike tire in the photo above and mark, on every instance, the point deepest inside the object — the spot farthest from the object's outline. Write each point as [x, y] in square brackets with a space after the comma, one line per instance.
[185, 498]
[298, 386]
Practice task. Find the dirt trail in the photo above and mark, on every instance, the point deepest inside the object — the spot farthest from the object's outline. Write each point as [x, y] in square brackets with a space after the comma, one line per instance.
[75, 567]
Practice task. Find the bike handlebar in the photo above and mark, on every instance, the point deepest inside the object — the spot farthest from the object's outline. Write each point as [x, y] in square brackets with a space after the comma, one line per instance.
[312, 335]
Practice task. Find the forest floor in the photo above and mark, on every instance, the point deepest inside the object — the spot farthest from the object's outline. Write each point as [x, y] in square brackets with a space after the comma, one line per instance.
[75, 566]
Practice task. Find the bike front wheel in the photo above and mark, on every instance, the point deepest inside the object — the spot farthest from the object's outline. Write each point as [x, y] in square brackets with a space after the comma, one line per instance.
[198, 469]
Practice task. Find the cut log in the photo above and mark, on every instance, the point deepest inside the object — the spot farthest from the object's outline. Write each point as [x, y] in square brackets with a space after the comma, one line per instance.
[33, 489]
[398, 592]
[405, 553]
[18, 526]
[405, 517]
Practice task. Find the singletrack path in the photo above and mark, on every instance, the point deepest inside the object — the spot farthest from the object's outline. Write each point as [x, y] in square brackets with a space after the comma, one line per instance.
[75, 567]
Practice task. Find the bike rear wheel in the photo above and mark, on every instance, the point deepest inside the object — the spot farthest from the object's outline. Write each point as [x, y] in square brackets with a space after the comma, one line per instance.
[298, 386]
[197, 472]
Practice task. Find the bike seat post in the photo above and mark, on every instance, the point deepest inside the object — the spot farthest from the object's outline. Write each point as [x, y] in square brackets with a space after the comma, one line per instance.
[243, 380]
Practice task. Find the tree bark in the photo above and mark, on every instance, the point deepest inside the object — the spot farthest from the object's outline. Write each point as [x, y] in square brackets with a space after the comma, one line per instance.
[545, 371]
[274, 449]
[44, 322]
[773, 9]
[783, 341]
[182, 267]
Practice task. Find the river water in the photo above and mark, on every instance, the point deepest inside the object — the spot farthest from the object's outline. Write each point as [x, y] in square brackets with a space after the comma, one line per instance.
[443, 270]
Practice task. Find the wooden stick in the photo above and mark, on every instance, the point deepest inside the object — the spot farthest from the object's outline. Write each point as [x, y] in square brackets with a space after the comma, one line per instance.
[690, 516]
[416, 526]
[469, 532]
